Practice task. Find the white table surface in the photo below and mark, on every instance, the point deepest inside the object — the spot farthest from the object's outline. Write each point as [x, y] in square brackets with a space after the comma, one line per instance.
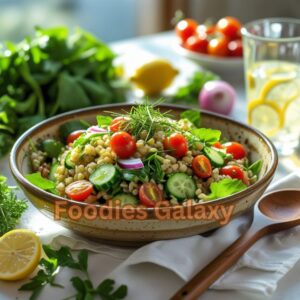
[160, 45]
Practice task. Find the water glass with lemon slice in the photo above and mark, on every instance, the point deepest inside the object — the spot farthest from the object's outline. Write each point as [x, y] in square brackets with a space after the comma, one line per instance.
[272, 74]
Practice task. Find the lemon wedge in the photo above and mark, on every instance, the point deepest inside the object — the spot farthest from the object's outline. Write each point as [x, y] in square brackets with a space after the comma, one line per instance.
[154, 76]
[20, 253]
[265, 115]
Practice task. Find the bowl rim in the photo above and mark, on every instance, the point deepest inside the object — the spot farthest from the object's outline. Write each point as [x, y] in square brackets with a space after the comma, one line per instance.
[208, 58]
[49, 197]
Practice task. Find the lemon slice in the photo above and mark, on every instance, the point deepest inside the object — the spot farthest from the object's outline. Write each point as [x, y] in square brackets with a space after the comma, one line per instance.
[265, 115]
[20, 253]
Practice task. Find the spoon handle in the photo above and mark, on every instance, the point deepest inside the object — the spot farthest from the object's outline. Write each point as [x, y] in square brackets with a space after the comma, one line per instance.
[207, 276]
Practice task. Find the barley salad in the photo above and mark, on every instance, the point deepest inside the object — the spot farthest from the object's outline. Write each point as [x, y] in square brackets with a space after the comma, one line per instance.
[141, 157]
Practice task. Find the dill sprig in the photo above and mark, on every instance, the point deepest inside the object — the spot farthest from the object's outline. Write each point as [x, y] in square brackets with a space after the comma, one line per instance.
[147, 117]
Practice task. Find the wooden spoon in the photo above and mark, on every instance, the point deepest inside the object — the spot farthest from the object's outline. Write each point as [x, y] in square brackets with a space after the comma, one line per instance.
[274, 212]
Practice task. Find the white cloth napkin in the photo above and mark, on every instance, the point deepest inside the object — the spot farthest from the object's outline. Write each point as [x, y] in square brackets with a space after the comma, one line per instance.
[156, 270]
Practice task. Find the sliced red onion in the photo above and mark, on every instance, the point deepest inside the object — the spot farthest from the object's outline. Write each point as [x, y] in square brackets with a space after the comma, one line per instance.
[217, 96]
[131, 164]
[96, 129]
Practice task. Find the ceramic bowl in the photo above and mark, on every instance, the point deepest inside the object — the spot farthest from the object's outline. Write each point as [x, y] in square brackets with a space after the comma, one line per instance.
[138, 231]
[224, 66]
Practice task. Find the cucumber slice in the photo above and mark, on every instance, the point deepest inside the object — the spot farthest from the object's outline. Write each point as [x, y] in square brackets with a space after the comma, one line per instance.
[181, 186]
[68, 163]
[104, 177]
[53, 171]
[126, 199]
[216, 157]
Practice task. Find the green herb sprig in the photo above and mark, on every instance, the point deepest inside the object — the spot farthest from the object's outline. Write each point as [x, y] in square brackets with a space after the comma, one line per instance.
[84, 287]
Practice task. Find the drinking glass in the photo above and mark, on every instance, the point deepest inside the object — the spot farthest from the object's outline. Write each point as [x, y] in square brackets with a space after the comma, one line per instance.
[272, 75]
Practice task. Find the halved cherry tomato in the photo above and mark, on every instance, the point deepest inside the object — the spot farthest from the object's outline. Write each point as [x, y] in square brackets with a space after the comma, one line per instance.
[150, 194]
[218, 145]
[186, 28]
[236, 149]
[230, 27]
[235, 48]
[202, 166]
[218, 46]
[123, 144]
[117, 123]
[79, 190]
[197, 43]
[74, 136]
[177, 144]
[235, 172]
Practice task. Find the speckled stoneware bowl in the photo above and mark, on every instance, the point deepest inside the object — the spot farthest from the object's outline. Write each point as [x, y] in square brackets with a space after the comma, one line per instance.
[133, 232]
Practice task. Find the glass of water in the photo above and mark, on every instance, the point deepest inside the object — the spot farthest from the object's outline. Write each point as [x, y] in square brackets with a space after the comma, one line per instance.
[272, 74]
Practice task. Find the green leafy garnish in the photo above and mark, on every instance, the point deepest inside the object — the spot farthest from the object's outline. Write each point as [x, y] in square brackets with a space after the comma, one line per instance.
[147, 117]
[41, 182]
[225, 187]
[105, 290]
[49, 268]
[11, 208]
[104, 121]
[189, 93]
[207, 135]
[68, 127]
[193, 116]
[84, 287]
[152, 167]
[51, 72]
[255, 167]
[65, 258]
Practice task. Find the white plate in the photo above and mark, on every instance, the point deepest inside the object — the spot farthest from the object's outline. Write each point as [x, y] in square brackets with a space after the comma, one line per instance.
[219, 65]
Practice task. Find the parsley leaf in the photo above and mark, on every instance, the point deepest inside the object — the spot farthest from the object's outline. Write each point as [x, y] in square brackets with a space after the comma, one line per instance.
[11, 208]
[193, 116]
[225, 187]
[49, 268]
[207, 135]
[104, 120]
[65, 258]
[40, 182]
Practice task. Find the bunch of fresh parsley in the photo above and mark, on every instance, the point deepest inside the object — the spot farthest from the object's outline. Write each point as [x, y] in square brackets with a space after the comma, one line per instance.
[11, 208]
[84, 287]
[53, 72]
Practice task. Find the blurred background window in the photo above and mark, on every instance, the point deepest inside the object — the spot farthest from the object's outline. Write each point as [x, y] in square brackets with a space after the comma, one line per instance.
[120, 19]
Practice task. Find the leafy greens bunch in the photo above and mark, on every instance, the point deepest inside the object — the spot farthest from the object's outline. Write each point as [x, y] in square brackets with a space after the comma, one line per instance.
[53, 72]
[11, 208]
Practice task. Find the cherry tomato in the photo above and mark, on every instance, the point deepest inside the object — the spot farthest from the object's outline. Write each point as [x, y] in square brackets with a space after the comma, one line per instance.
[236, 149]
[186, 28]
[197, 44]
[177, 144]
[235, 48]
[218, 46]
[202, 166]
[205, 29]
[74, 136]
[230, 27]
[235, 172]
[79, 190]
[123, 144]
[218, 145]
[117, 123]
[149, 194]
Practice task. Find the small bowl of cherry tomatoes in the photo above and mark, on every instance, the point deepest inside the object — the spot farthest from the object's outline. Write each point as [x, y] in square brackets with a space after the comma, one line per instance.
[217, 47]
